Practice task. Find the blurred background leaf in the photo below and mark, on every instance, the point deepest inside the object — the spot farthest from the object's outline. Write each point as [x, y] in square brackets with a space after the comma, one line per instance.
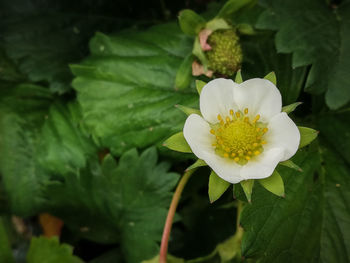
[317, 33]
[127, 87]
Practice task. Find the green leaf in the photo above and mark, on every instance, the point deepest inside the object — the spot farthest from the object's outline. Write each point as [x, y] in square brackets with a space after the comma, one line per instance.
[49, 250]
[271, 77]
[134, 108]
[260, 58]
[285, 229]
[290, 108]
[187, 110]
[311, 224]
[247, 186]
[190, 22]
[217, 187]
[199, 85]
[22, 112]
[326, 47]
[217, 24]
[5, 247]
[32, 34]
[63, 144]
[307, 135]
[125, 202]
[184, 74]
[38, 140]
[274, 184]
[246, 29]
[9, 71]
[335, 244]
[291, 164]
[239, 78]
[334, 128]
[177, 142]
[233, 6]
[198, 163]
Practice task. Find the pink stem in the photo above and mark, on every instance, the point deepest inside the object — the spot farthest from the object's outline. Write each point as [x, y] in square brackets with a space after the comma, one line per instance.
[170, 216]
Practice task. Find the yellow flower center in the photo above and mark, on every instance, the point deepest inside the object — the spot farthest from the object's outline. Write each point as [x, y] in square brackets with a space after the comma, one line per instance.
[238, 137]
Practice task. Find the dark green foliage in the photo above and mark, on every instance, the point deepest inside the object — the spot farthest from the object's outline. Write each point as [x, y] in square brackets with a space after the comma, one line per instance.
[317, 33]
[127, 87]
[124, 203]
[83, 112]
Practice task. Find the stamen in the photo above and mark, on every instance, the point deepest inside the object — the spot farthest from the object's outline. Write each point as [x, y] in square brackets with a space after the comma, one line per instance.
[257, 117]
[238, 137]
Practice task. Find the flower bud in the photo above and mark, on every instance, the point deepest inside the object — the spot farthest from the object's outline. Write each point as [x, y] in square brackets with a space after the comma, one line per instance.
[225, 56]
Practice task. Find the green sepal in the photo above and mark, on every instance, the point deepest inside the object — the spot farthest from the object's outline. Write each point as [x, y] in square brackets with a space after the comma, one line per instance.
[198, 52]
[178, 143]
[199, 86]
[198, 163]
[292, 165]
[188, 110]
[238, 78]
[190, 22]
[232, 6]
[217, 24]
[274, 184]
[291, 107]
[246, 29]
[307, 135]
[247, 186]
[217, 187]
[271, 77]
[184, 73]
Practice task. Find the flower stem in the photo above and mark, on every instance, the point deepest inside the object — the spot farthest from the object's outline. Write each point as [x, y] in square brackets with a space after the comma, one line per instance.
[170, 216]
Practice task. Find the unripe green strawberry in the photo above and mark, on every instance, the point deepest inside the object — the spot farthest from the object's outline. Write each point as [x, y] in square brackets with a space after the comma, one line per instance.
[225, 56]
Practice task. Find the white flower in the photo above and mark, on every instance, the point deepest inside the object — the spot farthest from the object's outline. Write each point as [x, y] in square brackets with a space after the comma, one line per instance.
[243, 134]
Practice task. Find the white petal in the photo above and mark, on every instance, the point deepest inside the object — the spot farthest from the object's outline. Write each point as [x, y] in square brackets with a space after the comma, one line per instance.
[225, 168]
[263, 165]
[283, 133]
[260, 96]
[217, 98]
[197, 134]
